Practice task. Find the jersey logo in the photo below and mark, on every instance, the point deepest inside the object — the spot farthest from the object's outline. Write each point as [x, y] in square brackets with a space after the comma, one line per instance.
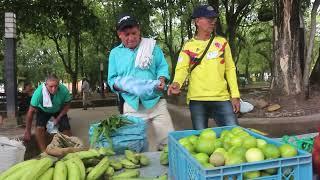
[192, 55]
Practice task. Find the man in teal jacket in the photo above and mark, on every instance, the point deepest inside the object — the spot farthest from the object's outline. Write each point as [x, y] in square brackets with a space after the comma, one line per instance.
[140, 59]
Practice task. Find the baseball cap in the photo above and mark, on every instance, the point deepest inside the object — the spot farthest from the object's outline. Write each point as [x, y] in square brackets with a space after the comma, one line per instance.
[125, 20]
[204, 11]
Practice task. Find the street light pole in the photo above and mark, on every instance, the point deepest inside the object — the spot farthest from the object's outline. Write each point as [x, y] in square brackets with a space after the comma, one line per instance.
[10, 67]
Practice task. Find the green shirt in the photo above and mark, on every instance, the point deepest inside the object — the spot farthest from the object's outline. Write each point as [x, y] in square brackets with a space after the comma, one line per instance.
[58, 100]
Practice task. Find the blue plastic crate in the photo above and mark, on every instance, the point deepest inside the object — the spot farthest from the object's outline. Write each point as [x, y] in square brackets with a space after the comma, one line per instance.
[182, 166]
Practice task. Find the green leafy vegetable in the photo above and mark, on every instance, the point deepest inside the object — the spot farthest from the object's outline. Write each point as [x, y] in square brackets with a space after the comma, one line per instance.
[107, 127]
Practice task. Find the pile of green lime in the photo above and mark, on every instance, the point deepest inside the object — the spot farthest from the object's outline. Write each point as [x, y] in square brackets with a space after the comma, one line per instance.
[233, 147]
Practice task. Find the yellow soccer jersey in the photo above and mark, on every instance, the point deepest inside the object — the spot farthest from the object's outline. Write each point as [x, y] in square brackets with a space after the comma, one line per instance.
[209, 81]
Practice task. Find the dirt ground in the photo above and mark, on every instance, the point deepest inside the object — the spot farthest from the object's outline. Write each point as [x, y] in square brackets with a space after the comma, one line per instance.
[290, 106]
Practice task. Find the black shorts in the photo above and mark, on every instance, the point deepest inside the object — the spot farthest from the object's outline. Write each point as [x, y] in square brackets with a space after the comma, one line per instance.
[44, 117]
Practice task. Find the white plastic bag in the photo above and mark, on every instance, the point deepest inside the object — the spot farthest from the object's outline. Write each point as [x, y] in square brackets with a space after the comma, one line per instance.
[51, 128]
[245, 107]
[11, 153]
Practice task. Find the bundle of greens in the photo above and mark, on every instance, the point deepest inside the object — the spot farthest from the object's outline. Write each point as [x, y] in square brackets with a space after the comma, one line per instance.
[107, 127]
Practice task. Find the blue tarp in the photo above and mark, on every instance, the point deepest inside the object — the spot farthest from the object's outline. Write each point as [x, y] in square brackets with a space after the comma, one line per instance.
[133, 136]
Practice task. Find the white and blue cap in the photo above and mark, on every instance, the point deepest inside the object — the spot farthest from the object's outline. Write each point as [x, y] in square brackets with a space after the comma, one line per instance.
[126, 20]
[204, 11]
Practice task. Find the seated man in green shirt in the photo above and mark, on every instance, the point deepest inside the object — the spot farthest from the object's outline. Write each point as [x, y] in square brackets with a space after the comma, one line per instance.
[50, 100]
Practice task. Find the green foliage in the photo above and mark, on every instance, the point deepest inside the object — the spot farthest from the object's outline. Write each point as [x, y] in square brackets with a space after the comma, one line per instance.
[257, 50]
[140, 9]
[72, 38]
[36, 58]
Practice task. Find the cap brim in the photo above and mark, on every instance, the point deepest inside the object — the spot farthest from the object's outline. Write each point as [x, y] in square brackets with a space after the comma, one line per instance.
[213, 15]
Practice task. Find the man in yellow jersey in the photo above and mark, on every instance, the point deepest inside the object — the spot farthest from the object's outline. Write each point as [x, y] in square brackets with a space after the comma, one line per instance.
[213, 90]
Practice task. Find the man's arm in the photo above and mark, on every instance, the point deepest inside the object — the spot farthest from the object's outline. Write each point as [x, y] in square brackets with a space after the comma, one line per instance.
[64, 111]
[162, 68]
[112, 72]
[29, 117]
[181, 72]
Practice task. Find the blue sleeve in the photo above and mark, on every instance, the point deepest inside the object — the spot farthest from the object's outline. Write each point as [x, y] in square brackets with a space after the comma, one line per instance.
[112, 70]
[161, 63]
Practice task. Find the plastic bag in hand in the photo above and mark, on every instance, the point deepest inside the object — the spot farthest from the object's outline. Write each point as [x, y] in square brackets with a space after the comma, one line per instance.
[51, 128]
[138, 87]
[245, 107]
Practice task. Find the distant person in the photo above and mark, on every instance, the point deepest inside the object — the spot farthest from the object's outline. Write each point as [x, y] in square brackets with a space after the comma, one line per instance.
[85, 89]
[136, 66]
[213, 89]
[26, 95]
[50, 100]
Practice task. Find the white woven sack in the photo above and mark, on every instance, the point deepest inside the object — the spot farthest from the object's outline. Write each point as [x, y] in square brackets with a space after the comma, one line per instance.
[11, 152]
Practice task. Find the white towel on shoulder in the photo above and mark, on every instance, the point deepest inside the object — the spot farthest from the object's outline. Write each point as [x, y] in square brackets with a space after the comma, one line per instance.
[144, 54]
[46, 97]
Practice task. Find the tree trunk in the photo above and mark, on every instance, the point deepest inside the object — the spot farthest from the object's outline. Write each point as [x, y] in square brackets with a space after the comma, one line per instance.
[315, 75]
[232, 35]
[81, 61]
[287, 68]
[76, 64]
[247, 70]
[310, 48]
[74, 84]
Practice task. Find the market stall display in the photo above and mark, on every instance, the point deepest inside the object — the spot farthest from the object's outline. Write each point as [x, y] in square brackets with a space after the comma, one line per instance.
[91, 164]
[236, 153]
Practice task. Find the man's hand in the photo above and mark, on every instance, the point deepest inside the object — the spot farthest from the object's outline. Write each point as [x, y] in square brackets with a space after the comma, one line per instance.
[174, 89]
[27, 136]
[27, 131]
[235, 104]
[56, 120]
[162, 84]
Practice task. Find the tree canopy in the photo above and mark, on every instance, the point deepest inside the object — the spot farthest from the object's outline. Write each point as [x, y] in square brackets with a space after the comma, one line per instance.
[72, 38]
